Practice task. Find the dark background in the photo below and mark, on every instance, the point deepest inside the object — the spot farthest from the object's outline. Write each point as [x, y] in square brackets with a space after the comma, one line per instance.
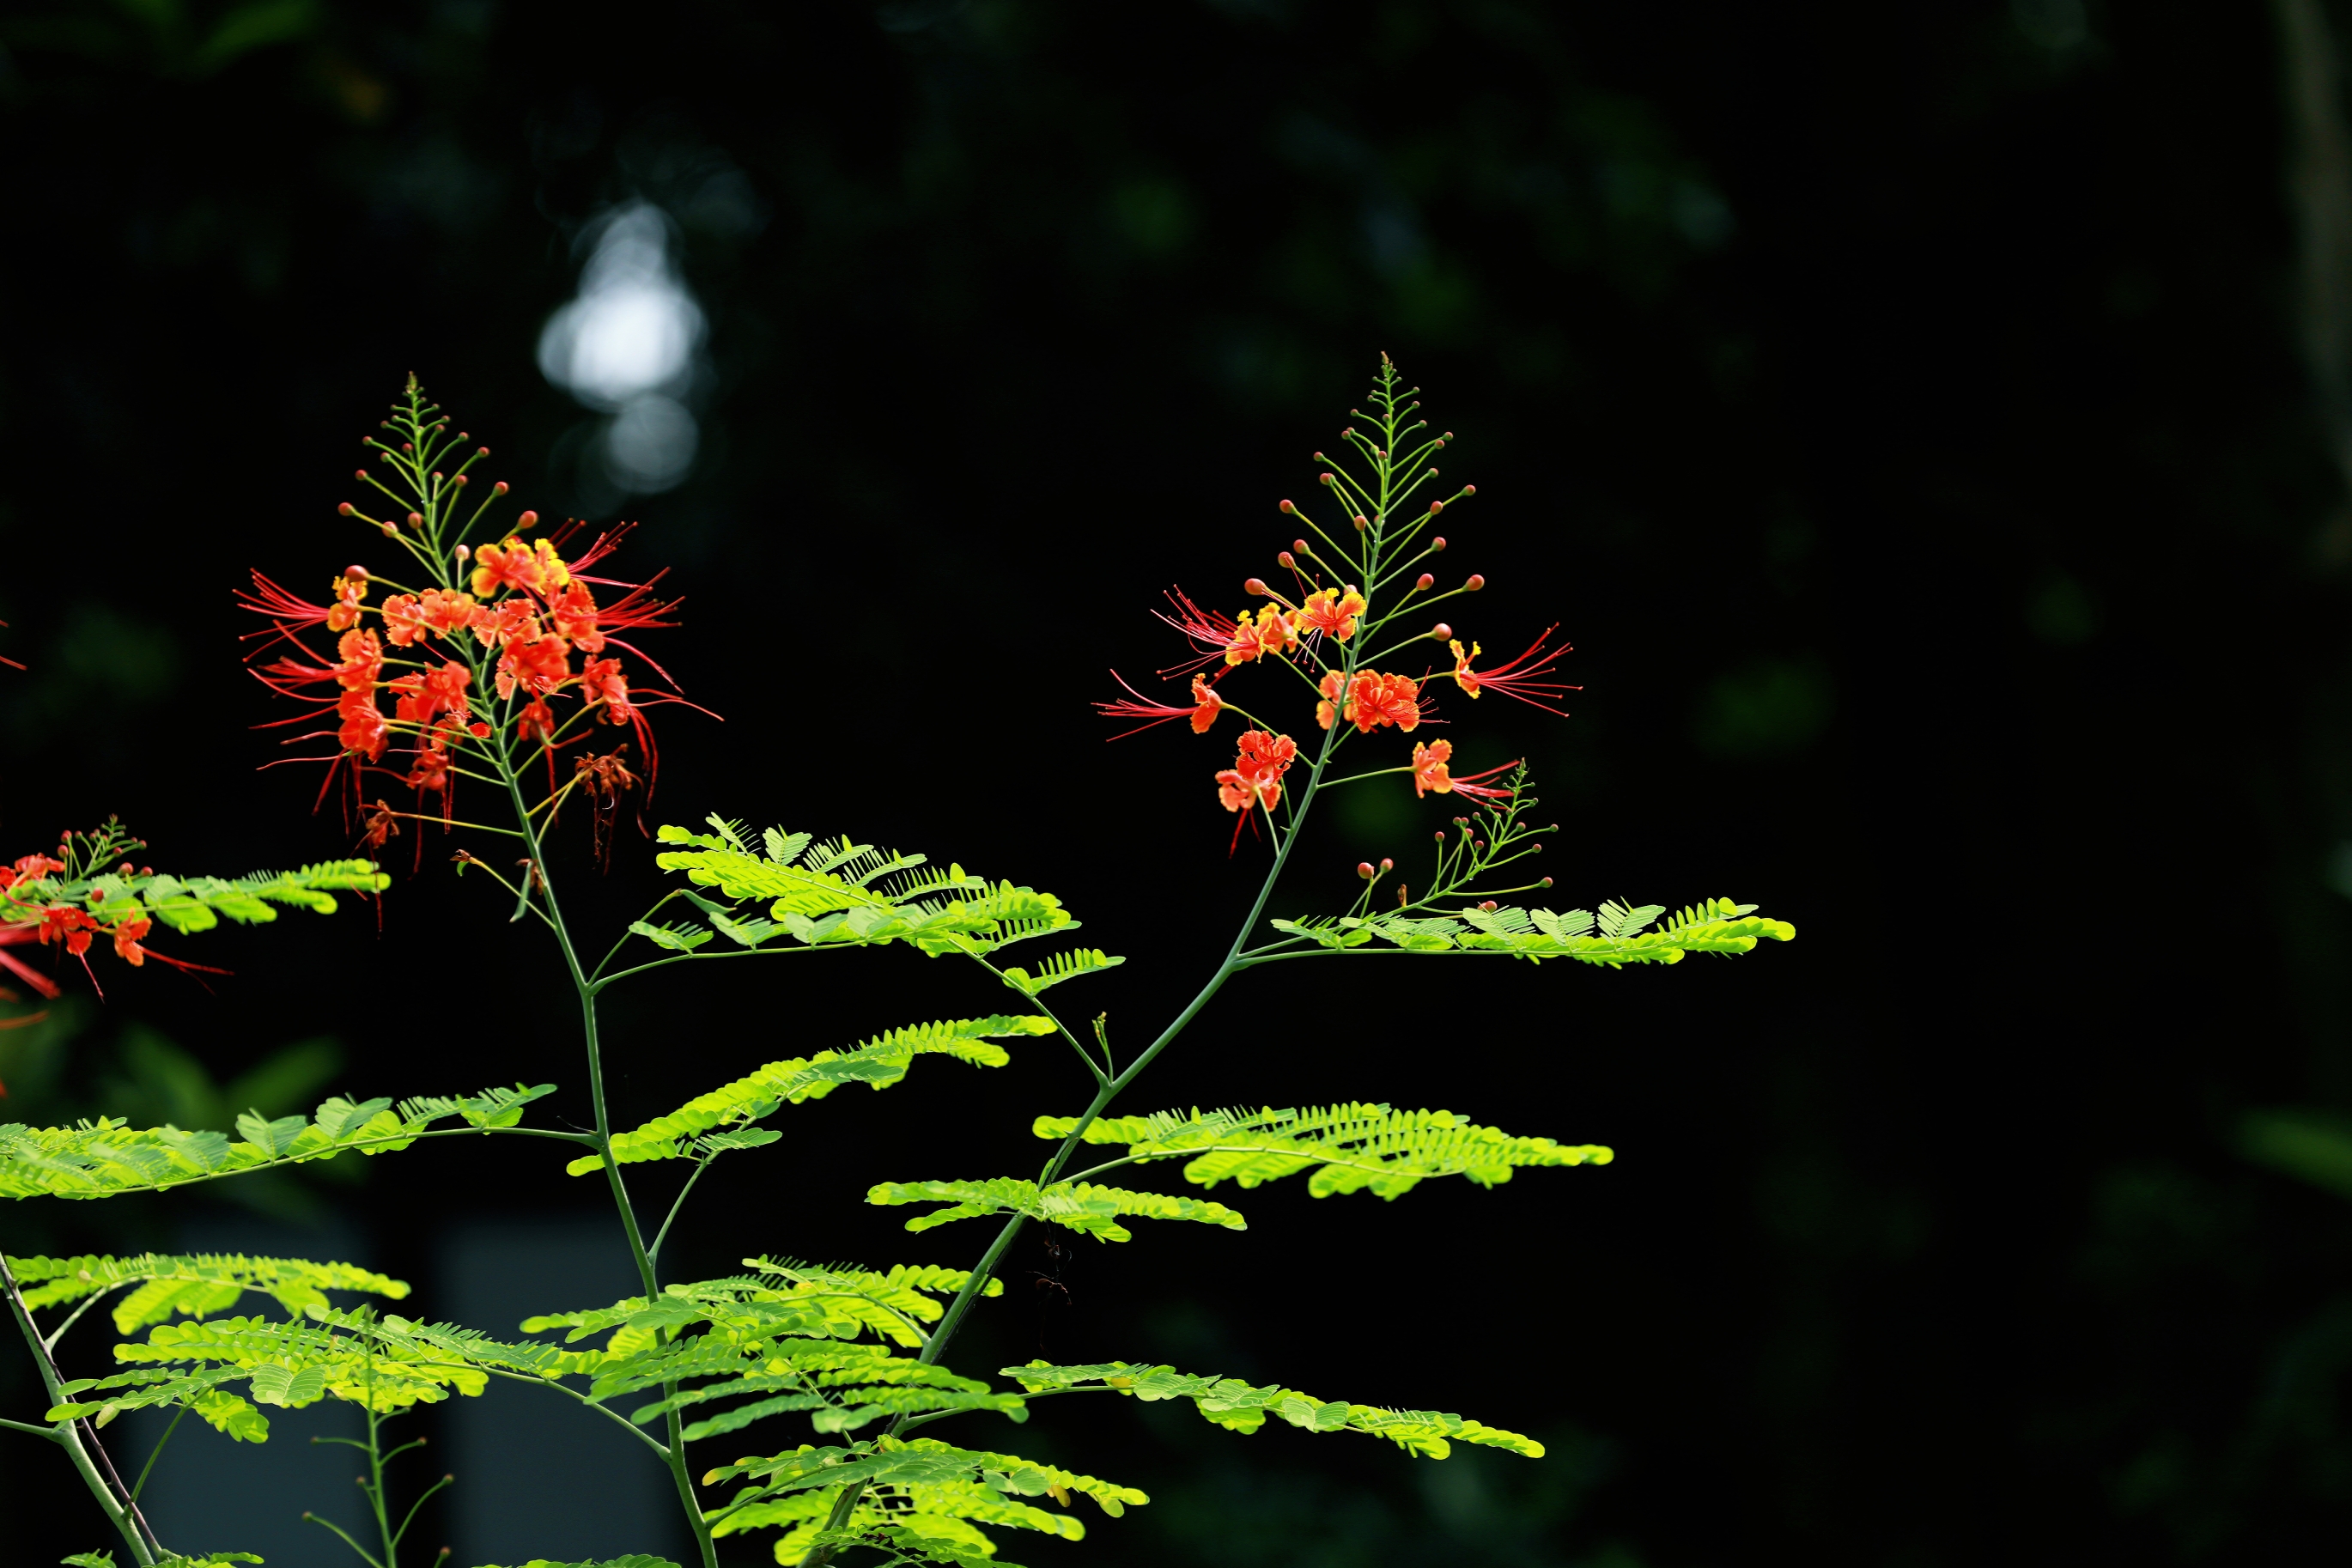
[1924, 421]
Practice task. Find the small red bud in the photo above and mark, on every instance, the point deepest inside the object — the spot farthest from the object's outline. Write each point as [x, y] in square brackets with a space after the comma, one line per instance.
[500, 488]
[479, 451]
[1299, 545]
[1323, 478]
[1364, 869]
[388, 530]
[359, 473]
[344, 509]
[1438, 542]
[415, 520]
[1287, 507]
[1469, 490]
[1255, 586]
[1475, 582]
[1424, 584]
[1488, 905]
[1387, 864]
[528, 519]
[1547, 882]
[1361, 524]
[408, 447]
[1436, 507]
[356, 573]
[465, 554]
[1286, 561]
[1441, 835]
[459, 480]
[1442, 632]
[1381, 454]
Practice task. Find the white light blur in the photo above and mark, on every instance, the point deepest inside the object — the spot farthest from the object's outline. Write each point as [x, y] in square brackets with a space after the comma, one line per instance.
[627, 345]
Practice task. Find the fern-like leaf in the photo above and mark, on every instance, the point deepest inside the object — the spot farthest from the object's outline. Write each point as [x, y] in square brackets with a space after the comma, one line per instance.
[1615, 937]
[1244, 1408]
[876, 1063]
[1083, 1206]
[191, 1286]
[1060, 967]
[100, 1158]
[1349, 1148]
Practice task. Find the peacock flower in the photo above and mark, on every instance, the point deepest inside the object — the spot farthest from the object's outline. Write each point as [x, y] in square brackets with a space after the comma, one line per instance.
[350, 592]
[422, 698]
[1431, 774]
[538, 666]
[1525, 677]
[1332, 612]
[1374, 701]
[1255, 778]
[1202, 713]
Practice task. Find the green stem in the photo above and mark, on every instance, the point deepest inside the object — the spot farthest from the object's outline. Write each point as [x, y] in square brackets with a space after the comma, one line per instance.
[585, 988]
[115, 1499]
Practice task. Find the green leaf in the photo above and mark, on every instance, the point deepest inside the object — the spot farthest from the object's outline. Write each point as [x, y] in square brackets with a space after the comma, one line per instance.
[634, 1560]
[191, 1286]
[1083, 1206]
[876, 1063]
[1060, 967]
[100, 1158]
[1242, 1408]
[677, 938]
[1350, 1148]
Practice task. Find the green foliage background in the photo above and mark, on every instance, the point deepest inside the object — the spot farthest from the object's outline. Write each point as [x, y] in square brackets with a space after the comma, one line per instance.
[1906, 412]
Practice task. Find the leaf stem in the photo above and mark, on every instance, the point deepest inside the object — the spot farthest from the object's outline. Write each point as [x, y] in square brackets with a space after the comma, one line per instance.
[115, 1499]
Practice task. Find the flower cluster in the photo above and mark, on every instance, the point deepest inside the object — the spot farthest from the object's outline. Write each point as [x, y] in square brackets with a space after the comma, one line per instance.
[486, 653]
[69, 900]
[1339, 630]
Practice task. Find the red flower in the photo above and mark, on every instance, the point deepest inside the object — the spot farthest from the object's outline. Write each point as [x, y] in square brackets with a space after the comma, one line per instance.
[1430, 774]
[363, 661]
[1264, 631]
[423, 696]
[1208, 630]
[510, 621]
[404, 620]
[1255, 777]
[362, 729]
[1331, 612]
[514, 564]
[538, 666]
[1206, 706]
[446, 611]
[30, 869]
[64, 923]
[1373, 699]
[536, 721]
[575, 617]
[1519, 679]
[431, 773]
[126, 941]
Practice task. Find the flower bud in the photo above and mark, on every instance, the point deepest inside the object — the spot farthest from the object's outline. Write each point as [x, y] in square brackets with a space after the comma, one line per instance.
[388, 530]
[1364, 869]
[1257, 587]
[1383, 457]
[1442, 632]
[1424, 584]
[1286, 561]
[1547, 882]
[1469, 490]
[465, 554]
[415, 520]
[528, 519]
[1299, 545]
[1287, 507]
[1438, 542]
[479, 451]
[1436, 507]
[1475, 582]
[344, 509]
[356, 573]
[1486, 905]
[408, 446]
[1441, 835]
[459, 480]
[359, 473]
[1387, 864]
[1360, 524]
[439, 474]
[500, 488]
[1323, 478]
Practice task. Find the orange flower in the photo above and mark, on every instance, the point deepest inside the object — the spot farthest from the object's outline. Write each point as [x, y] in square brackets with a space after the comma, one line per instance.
[536, 721]
[1525, 677]
[363, 729]
[1255, 777]
[539, 666]
[404, 620]
[1206, 706]
[431, 772]
[1264, 631]
[126, 941]
[446, 611]
[1331, 612]
[1329, 708]
[349, 593]
[1431, 776]
[497, 567]
[601, 680]
[423, 696]
[508, 621]
[363, 661]
[575, 617]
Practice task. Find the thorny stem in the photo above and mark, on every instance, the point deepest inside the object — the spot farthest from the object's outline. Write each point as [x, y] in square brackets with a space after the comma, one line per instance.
[112, 1495]
[1109, 1090]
